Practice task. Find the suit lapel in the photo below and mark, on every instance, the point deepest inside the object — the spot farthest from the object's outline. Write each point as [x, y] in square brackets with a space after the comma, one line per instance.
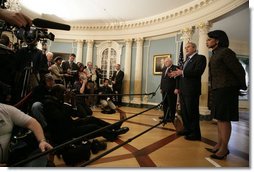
[191, 60]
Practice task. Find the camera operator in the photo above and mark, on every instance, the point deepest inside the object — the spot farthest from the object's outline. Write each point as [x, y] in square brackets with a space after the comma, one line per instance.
[7, 69]
[7, 65]
[28, 62]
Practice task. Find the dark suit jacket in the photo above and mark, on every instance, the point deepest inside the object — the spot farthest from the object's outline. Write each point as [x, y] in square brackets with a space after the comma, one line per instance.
[105, 90]
[119, 79]
[190, 82]
[66, 65]
[168, 84]
[44, 66]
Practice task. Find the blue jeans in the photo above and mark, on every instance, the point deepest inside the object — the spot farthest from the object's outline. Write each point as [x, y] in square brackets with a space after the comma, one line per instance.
[37, 109]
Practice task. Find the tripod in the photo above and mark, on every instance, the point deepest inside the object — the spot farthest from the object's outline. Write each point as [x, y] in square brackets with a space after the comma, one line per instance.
[30, 80]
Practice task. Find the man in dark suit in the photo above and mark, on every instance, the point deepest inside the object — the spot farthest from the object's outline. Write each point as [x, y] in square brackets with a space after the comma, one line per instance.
[71, 68]
[117, 80]
[45, 64]
[168, 86]
[190, 90]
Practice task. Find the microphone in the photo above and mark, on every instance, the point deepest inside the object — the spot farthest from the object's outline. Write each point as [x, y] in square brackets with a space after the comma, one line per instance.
[50, 25]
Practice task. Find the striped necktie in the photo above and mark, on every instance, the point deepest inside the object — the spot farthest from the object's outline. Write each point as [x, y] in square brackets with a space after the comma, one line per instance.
[186, 61]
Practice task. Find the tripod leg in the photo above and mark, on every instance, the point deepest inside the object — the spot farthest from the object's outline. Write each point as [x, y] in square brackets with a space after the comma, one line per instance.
[23, 91]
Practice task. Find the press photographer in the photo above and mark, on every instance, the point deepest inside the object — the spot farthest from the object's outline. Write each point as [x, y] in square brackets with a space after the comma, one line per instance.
[21, 69]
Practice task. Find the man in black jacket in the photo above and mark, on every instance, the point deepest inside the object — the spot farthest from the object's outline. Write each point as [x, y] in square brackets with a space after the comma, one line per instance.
[70, 68]
[168, 90]
[190, 90]
[117, 80]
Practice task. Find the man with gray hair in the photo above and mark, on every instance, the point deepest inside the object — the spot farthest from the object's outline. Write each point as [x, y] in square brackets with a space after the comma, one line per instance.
[168, 90]
[46, 63]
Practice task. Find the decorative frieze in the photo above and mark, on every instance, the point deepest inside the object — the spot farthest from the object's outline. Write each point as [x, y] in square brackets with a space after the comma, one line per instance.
[167, 16]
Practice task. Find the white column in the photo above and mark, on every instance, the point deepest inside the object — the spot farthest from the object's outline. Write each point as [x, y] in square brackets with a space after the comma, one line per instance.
[89, 54]
[203, 29]
[127, 71]
[79, 55]
[186, 36]
[138, 71]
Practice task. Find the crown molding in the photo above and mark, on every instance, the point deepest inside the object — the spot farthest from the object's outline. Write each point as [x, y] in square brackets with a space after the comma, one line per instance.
[157, 19]
[191, 14]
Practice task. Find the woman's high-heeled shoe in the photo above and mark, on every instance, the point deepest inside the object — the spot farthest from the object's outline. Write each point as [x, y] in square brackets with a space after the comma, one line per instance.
[214, 156]
[211, 150]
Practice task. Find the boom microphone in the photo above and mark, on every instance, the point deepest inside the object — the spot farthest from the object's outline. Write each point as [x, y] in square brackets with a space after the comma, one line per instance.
[50, 25]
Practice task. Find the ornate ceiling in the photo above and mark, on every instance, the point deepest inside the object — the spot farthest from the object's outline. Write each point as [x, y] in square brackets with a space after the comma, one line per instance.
[118, 19]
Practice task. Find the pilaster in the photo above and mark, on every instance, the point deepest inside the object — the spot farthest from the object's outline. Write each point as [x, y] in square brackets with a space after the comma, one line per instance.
[79, 55]
[89, 54]
[127, 70]
[138, 71]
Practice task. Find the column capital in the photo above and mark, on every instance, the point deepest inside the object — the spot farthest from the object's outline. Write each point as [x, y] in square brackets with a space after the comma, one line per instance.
[204, 27]
[187, 33]
[90, 41]
[79, 40]
[139, 41]
[128, 42]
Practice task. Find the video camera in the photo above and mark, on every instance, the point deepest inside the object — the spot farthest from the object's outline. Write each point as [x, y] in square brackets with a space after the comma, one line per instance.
[33, 34]
[37, 32]
[20, 65]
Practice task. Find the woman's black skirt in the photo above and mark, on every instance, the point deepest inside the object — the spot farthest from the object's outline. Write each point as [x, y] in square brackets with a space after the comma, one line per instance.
[225, 104]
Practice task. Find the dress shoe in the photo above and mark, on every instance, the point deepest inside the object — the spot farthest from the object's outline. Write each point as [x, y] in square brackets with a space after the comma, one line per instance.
[182, 133]
[211, 150]
[192, 137]
[122, 130]
[166, 120]
[214, 156]
[97, 146]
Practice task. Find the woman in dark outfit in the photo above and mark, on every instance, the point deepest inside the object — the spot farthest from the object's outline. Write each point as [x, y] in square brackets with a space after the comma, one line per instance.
[227, 77]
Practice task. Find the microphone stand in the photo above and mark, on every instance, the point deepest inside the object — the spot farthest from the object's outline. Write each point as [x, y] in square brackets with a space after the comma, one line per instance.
[154, 93]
